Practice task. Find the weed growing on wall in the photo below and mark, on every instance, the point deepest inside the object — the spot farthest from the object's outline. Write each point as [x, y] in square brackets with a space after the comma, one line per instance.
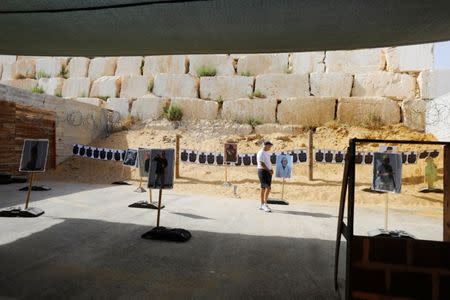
[37, 90]
[206, 71]
[42, 74]
[173, 113]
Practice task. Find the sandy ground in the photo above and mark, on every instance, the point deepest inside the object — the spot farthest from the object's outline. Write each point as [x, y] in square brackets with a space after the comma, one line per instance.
[208, 180]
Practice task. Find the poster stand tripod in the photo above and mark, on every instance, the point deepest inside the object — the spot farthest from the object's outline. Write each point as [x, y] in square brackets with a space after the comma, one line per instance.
[226, 183]
[140, 189]
[163, 233]
[145, 204]
[281, 201]
[28, 212]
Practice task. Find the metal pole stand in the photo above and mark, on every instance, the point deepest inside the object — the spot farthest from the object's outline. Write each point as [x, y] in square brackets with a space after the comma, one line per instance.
[140, 189]
[28, 212]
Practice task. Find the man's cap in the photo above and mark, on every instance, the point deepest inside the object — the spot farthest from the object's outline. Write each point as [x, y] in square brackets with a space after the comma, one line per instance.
[268, 143]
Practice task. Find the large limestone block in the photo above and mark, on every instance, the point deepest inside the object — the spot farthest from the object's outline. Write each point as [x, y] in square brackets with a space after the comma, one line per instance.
[438, 117]
[78, 67]
[25, 84]
[135, 86]
[355, 61]
[7, 59]
[307, 62]
[385, 84]
[52, 86]
[413, 58]
[222, 63]
[281, 86]
[196, 109]
[270, 128]
[50, 67]
[120, 106]
[225, 87]
[363, 111]
[174, 64]
[242, 110]
[106, 86]
[148, 108]
[75, 87]
[434, 83]
[414, 111]
[333, 84]
[306, 111]
[101, 66]
[92, 101]
[255, 64]
[176, 85]
[129, 65]
[22, 68]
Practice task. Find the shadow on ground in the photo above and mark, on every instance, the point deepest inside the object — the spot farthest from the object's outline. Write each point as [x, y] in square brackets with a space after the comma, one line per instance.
[92, 259]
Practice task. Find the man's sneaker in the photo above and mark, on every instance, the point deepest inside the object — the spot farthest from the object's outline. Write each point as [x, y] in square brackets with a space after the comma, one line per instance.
[266, 208]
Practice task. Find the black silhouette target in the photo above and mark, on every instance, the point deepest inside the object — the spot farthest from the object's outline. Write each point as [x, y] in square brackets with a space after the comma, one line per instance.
[434, 154]
[82, 151]
[211, 158]
[184, 156]
[368, 158]
[117, 155]
[246, 160]
[192, 157]
[302, 157]
[202, 158]
[75, 149]
[329, 156]
[412, 158]
[359, 158]
[102, 154]
[319, 156]
[339, 157]
[219, 159]
[254, 160]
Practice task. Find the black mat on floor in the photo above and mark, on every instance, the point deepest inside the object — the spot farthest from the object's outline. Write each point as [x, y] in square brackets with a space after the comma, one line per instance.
[31, 212]
[167, 234]
[438, 191]
[36, 188]
[277, 202]
[145, 204]
[121, 183]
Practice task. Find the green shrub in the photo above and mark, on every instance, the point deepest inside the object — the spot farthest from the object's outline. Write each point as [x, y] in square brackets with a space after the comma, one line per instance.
[150, 87]
[173, 113]
[246, 73]
[63, 73]
[58, 94]
[42, 74]
[256, 94]
[206, 71]
[253, 122]
[37, 89]
[104, 98]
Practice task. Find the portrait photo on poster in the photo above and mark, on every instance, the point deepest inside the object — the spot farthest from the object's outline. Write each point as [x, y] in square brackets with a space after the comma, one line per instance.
[230, 152]
[130, 158]
[161, 168]
[387, 172]
[34, 155]
[143, 161]
[284, 165]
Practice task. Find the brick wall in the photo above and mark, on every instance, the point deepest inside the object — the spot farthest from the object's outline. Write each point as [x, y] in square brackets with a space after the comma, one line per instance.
[386, 268]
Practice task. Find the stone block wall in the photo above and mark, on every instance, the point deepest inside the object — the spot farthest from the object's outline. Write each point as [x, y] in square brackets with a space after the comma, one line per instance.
[307, 89]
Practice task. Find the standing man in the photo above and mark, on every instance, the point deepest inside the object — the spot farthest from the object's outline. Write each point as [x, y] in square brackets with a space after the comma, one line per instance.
[265, 173]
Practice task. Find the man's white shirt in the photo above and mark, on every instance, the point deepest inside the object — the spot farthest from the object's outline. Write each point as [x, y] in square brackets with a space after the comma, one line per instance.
[263, 156]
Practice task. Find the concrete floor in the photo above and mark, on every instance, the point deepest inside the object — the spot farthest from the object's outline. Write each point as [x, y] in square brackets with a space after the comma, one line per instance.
[87, 245]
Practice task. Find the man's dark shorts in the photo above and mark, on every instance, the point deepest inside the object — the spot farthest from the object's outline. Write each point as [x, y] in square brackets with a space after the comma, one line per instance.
[265, 178]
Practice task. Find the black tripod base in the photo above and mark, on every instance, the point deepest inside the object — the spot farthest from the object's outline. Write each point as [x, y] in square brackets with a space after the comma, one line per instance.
[277, 202]
[36, 188]
[166, 234]
[30, 212]
[145, 204]
[432, 190]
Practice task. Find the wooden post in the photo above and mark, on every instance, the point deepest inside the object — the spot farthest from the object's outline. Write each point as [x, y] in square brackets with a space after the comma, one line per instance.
[282, 190]
[226, 173]
[177, 157]
[386, 211]
[140, 182]
[446, 193]
[30, 186]
[350, 217]
[150, 195]
[159, 207]
[310, 155]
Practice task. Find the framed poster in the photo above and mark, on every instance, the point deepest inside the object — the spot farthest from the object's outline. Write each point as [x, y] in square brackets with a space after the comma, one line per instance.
[130, 158]
[230, 152]
[34, 155]
[143, 162]
[284, 165]
[387, 172]
[161, 169]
